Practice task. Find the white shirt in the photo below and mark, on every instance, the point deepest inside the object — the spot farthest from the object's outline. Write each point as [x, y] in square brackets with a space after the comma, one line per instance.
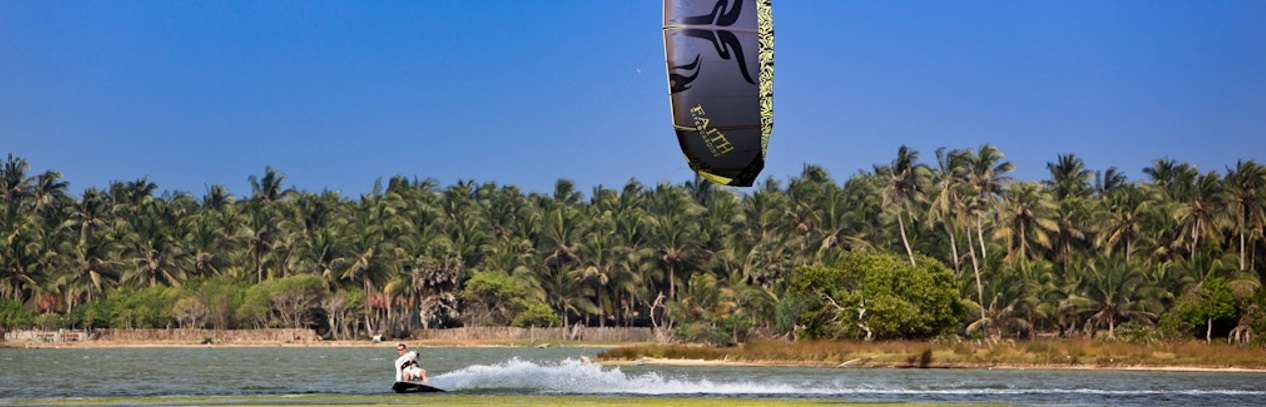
[400, 362]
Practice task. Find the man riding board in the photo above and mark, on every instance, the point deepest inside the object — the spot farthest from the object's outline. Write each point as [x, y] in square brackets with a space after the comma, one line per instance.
[407, 367]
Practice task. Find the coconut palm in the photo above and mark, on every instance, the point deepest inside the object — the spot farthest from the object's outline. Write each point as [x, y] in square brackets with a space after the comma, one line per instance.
[1069, 177]
[1109, 180]
[1114, 291]
[1125, 210]
[904, 180]
[154, 254]
[947, 180]
[1245, 186]
[674, 232]
[1025, 216]
[14, 183]
[987, 175]
[1072, 228]
[1013, 299]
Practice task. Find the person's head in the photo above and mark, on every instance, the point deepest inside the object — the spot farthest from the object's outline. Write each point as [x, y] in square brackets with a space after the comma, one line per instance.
[402, 348]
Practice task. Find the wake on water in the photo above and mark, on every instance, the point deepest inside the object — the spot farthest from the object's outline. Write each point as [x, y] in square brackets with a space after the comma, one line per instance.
[572, 376]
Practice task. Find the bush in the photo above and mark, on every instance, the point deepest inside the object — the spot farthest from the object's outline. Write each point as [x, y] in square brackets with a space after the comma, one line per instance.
[95, 314]
[536, 313]
[14, 315]
[876, 295]
[1201, 312]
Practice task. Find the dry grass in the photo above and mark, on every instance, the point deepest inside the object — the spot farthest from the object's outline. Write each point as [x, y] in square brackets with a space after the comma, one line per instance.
[1078, 353]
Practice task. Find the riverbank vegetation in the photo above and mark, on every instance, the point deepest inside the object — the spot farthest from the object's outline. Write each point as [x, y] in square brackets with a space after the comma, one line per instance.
[1038, 353]
[953, 248]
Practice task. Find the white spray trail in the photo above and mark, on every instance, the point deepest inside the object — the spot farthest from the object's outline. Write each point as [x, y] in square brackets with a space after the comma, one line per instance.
[574, 376]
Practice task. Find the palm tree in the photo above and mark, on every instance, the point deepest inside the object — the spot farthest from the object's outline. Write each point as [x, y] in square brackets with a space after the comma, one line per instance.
[1171, 177]
[1072, 226]
[1108, 181]
[1201, 212]
[22, 253]
[674, 231]
[154, 253]
[1114, 291]
[769, 233]
[904, 179]
[947, 181]
[1013, 303]
[987, 176]
[1126, 208]
[1069, 177]
[1024, 217]
[92, 270]
[47, 193]
[1245, 188]
[14, 184]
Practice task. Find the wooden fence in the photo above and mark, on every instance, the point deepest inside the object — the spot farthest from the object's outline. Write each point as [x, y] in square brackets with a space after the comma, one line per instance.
[60, 335]
[254, 336]
[577, 333]
[219, 336]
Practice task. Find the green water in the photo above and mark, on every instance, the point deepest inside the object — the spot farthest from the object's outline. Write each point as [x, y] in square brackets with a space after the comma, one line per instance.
[299, 376]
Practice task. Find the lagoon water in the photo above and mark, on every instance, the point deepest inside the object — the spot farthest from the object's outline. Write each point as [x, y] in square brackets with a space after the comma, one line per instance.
[212, 371]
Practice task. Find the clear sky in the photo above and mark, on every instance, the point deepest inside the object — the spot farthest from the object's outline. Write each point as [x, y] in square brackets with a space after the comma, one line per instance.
[336, 94]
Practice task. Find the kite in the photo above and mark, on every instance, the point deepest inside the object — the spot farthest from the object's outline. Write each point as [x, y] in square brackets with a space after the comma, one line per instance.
[720, 56]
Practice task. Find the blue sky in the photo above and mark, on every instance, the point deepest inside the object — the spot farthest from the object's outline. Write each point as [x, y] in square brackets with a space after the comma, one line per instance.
[338, 94]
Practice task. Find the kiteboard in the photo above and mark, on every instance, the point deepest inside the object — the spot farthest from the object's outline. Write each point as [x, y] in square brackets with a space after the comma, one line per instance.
[414, 387]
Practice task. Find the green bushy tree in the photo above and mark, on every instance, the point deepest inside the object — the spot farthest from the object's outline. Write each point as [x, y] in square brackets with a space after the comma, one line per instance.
[1209, 303]
[498, 298]
[876, 296]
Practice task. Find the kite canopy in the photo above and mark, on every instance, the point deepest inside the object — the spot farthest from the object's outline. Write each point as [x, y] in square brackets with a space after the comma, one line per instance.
[721, 78]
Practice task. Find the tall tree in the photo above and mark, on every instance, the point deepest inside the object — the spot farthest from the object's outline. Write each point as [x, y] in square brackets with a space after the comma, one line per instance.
[1246, 190]
[904, 180]
[1024, 217]
[1069, 177]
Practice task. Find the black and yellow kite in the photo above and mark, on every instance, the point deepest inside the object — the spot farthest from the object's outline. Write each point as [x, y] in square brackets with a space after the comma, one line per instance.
[721, 79]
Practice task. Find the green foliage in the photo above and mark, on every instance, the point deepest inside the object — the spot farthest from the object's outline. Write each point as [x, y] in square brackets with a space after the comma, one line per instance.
[709, 311]
[536, 313]
[1196, 312]
[881, 293]
[497, 298]
[96, 314]
[145, 308]
[282, 302]
[1067, 256]
[14, 315]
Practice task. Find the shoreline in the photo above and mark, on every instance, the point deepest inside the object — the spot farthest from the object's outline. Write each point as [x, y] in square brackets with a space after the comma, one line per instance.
[857, 363]
[649, 361]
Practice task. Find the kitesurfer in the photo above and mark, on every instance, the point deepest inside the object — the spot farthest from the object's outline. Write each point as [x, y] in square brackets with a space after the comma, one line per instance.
[407, 367]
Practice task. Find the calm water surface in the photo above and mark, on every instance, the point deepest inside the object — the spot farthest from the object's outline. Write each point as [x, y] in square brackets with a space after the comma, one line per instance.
[135, 372]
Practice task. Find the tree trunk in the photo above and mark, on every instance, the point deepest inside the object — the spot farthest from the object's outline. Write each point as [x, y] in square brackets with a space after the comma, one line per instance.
[980, 237]
[1195, 239]
[904, 240]
[672, 282]
[1129, 247]
[1242, 241]
[1208, 332]
[949, 230]
[980, 289]
[1023, 244]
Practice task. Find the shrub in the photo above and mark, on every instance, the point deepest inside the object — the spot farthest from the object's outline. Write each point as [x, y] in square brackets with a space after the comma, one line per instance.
[876, 292]
[14, 315]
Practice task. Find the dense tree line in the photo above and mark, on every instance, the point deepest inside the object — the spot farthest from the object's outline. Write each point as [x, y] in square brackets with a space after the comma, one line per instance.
[1082, 253]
